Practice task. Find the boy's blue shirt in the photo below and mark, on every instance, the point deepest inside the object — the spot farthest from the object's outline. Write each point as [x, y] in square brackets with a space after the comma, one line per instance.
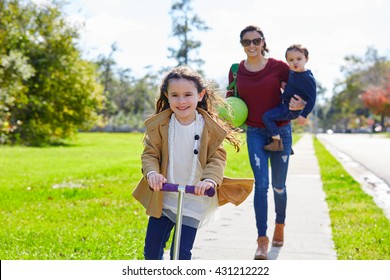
[304, 85]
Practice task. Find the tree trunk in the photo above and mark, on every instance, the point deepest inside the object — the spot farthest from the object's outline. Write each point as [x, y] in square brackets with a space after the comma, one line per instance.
[383, 122]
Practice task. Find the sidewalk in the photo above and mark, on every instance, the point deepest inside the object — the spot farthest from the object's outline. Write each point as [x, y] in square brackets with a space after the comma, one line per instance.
[307, 233]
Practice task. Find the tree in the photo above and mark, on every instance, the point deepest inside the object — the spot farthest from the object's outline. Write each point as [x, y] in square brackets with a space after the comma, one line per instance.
[184, 22]
[377, 99]
[58, 93]
[347, 109]
[107, 70]
[128, 100]
[14, 70]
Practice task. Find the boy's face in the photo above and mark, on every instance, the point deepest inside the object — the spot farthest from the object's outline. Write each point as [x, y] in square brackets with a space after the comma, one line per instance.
[296, 60]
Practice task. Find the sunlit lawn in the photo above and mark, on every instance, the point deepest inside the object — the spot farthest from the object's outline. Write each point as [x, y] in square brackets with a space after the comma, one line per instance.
[360, 229]
[74, 202]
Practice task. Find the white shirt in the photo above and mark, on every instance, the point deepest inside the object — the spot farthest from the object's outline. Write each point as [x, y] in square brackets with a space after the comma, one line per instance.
[183, 142]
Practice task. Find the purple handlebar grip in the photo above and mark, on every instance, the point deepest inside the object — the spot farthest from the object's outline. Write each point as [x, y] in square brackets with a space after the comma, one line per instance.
[189, 189]
[167, 187]
[210, 192]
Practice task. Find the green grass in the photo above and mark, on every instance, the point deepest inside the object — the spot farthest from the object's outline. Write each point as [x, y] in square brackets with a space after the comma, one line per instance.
[72, 202]
[360, 229]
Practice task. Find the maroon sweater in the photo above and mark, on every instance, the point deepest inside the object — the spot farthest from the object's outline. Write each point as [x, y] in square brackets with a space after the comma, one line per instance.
[260, 90]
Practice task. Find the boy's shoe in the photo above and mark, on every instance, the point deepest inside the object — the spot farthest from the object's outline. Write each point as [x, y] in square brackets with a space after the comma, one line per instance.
[275, 146]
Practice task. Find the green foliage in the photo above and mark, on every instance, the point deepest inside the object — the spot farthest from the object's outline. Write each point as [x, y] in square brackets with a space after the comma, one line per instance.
[47, 91]
[360, 229]
[14, 71]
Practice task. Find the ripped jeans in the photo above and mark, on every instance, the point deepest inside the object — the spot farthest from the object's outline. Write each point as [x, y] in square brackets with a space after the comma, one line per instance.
[256, 139]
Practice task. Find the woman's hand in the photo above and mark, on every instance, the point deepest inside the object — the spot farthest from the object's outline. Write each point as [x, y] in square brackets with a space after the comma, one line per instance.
[202, 186]
[296, 103]
[156, 180]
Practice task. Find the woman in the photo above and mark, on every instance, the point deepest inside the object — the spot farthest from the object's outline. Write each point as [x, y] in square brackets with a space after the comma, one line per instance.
[259, 80]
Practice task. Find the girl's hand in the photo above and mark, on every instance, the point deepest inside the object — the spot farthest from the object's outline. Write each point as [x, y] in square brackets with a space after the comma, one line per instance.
[156, 180]
[202, 186]
[297, 103]
[301, 120]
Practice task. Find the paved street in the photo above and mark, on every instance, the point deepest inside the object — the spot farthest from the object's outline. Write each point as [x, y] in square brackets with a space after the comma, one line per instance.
[366, 158]
[372, 152]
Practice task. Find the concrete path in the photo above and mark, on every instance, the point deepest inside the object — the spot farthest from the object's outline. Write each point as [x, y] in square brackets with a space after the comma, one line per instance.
[307, 232]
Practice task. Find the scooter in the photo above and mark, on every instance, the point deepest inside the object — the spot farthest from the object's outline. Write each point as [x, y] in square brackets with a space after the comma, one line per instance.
[179, 215]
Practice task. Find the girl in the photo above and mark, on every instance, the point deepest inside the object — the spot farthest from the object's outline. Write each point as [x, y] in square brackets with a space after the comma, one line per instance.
[183, 145]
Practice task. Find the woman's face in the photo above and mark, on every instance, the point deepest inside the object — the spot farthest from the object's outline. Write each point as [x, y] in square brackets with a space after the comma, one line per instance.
[253, 38]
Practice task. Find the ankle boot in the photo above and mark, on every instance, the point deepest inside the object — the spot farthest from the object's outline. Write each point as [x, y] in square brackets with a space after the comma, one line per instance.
[262, 248]
[278, 239]
[275, 145]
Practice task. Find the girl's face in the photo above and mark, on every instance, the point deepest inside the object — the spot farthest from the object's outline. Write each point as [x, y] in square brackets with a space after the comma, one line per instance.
[255, 43]
[296, 60]
[183, 99]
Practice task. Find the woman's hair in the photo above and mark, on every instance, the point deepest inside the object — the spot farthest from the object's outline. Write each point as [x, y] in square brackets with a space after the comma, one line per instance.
[210, 101]
[258, 30]
[299, 48]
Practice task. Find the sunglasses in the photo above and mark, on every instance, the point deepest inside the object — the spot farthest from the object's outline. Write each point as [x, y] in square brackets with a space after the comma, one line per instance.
[247, 42]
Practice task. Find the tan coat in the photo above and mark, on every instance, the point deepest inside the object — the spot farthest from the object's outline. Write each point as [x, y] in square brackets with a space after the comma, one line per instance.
[212, 158]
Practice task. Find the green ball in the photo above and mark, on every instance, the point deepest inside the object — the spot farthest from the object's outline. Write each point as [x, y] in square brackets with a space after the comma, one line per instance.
[236, 111]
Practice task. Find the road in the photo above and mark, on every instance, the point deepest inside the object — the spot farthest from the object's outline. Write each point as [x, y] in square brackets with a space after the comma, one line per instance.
[367, 158]
[372, 152]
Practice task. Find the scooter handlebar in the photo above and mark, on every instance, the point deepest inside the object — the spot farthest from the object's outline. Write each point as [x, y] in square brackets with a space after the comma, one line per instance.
[168, 187]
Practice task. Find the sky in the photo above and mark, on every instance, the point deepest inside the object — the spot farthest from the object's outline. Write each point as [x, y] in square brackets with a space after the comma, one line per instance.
[329, 29]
